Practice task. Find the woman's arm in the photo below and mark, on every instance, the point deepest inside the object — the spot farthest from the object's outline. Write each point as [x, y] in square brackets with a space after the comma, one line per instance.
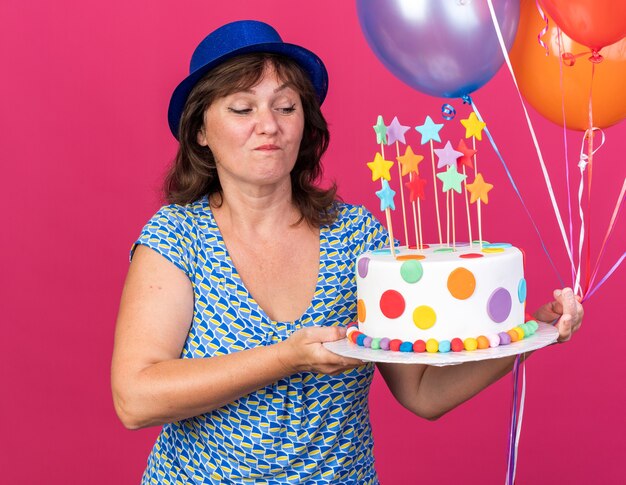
[152, 385]
[430, 391]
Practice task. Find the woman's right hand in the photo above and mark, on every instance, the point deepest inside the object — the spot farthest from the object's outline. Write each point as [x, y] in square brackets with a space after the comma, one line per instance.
[303, 352]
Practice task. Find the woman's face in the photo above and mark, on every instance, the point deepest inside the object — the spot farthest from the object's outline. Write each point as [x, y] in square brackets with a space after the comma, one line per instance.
[255, 135]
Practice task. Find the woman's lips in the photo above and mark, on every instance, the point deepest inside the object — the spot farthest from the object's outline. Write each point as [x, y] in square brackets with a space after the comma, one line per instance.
[268, 147]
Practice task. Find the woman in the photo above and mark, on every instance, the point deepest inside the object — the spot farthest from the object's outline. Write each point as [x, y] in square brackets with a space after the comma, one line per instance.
[236, 284]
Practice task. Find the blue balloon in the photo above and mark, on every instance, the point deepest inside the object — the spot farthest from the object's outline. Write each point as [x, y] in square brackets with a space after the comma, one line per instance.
[444, 48]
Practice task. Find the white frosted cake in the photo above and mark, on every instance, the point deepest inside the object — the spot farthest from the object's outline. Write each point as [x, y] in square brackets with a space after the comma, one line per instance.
[441, 298]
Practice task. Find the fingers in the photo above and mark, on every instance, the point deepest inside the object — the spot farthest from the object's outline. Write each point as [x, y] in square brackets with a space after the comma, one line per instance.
[564, 326]
[310, 355]
[572, 313]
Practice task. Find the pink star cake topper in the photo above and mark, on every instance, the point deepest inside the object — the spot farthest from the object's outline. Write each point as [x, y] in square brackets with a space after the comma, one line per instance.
[396, 131]
[447, 155]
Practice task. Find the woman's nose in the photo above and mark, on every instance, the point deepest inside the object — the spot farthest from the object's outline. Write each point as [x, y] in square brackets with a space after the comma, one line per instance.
[266, 121]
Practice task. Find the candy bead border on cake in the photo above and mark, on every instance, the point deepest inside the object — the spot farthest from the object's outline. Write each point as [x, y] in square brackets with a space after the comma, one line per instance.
[469, 344]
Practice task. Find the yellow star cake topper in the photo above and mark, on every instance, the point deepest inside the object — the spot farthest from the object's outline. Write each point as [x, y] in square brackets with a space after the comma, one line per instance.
[479, 189]
[409, 161]
[473, 126]
[380, 168]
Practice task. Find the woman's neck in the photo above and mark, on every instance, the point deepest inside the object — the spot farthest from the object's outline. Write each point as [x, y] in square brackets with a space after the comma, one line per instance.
[255, 210]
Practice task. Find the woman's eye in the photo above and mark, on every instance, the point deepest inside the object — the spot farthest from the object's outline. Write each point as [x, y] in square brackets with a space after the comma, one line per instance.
[242, 111]
[287, 109]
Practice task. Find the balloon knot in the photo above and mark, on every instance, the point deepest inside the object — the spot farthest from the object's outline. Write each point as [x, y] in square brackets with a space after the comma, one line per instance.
[466, 99]
[596, 57]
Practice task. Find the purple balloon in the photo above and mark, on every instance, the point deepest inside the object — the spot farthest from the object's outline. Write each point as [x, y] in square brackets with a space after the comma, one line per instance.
[444, 48]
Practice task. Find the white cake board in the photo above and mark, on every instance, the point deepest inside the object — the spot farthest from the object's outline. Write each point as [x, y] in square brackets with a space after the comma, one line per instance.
[545, 335]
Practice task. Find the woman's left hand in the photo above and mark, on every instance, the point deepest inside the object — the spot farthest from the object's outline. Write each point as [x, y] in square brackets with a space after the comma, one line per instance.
[566, 309]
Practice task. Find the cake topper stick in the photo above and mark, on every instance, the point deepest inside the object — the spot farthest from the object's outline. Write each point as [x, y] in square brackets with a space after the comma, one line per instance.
[410, 162]
[474, 128]
[479, 190]
[478, 206]
[465, 161]
[395, 133]
[406, 233]
[416, 185]
[387, 205]
[453, 221]
[430, 131]
[432, 159]
[380, 170]
[448, 156]
[452, 180]
[419, 222]
[418, 243]
[467, 209]
[448, 219]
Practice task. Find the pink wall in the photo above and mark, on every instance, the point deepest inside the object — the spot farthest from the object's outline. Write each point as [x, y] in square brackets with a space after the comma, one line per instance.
[84, 89]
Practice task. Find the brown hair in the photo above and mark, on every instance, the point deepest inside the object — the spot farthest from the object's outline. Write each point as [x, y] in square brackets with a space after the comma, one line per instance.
[194, 174]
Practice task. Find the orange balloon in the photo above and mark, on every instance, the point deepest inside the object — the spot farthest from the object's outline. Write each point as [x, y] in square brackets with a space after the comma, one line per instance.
[538, 75]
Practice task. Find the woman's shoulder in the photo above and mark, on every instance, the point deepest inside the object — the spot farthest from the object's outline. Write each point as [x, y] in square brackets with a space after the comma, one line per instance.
[189, 213]
[351, 215]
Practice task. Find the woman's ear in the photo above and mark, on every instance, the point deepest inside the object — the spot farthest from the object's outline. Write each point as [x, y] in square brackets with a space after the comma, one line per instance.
[201, 138]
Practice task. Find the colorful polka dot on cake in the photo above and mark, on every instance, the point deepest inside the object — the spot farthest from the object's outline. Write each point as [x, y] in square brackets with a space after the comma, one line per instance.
[363, 266]
[521, 290]
[499, 305]
[392, 304]
[461, 283]
[411, 271]
[424, 317]
[360, 310]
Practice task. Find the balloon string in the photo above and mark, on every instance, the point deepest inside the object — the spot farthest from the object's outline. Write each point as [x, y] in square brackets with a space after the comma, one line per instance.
[519, 195]
[616, 211]
[590, 293]
[575, 271]
[544, 170]
[515, 427]
[518, 431]
[544, 30]
[590, 153]
[582, 165]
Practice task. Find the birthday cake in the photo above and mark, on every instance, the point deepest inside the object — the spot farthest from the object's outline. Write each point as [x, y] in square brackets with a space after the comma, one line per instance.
[441, 299]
